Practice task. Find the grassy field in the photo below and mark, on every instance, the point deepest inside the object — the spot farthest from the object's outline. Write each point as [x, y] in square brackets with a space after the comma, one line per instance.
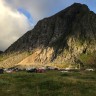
[52, 83]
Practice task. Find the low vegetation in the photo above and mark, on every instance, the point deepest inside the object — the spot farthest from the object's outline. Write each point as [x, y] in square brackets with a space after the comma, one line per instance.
[51, 83]
[10, 60]
[89, 59]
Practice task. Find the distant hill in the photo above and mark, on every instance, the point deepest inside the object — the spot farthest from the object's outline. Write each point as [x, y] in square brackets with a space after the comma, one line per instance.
[1, 52]
[66, 39]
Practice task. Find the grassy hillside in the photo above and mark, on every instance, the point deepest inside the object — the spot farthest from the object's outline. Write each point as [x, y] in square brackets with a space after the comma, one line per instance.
[51, 83]
[12, 59]
[89, 59]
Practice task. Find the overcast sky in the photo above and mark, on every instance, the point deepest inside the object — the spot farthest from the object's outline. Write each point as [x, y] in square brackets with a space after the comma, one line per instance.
[19, 16]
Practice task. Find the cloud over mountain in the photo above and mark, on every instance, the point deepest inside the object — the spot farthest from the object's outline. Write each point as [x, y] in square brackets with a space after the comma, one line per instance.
[12, 25]
[45, 8]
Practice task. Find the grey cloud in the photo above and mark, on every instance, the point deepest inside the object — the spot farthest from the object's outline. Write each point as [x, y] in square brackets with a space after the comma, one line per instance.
[38, 8]
[12, 25]
[44, 8]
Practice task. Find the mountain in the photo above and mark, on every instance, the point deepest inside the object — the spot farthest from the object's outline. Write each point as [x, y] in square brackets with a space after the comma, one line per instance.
[66, 39]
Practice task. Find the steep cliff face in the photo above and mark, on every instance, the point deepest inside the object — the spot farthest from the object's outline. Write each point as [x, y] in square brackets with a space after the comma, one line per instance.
[60, 39]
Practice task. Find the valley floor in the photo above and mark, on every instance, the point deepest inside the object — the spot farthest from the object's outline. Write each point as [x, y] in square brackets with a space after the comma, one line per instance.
[51, 83]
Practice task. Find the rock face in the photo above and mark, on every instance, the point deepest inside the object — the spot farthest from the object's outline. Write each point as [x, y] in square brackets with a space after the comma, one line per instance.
[60, 39]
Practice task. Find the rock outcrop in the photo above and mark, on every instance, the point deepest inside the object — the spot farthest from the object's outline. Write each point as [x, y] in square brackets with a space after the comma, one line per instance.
[62, 39]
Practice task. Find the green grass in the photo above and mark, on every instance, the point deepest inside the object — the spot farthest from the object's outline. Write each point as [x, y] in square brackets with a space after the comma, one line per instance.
[52, 83]
[89, 59]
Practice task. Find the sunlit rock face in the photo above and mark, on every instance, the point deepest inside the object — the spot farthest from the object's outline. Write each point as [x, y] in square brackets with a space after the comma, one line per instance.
[60, 39]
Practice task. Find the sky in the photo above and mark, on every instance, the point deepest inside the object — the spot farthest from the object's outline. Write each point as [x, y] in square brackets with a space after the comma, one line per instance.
[19, 16]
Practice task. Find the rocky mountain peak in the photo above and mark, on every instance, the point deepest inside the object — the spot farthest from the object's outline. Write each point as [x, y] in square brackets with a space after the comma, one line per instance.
[74, 9]
[78, 5]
